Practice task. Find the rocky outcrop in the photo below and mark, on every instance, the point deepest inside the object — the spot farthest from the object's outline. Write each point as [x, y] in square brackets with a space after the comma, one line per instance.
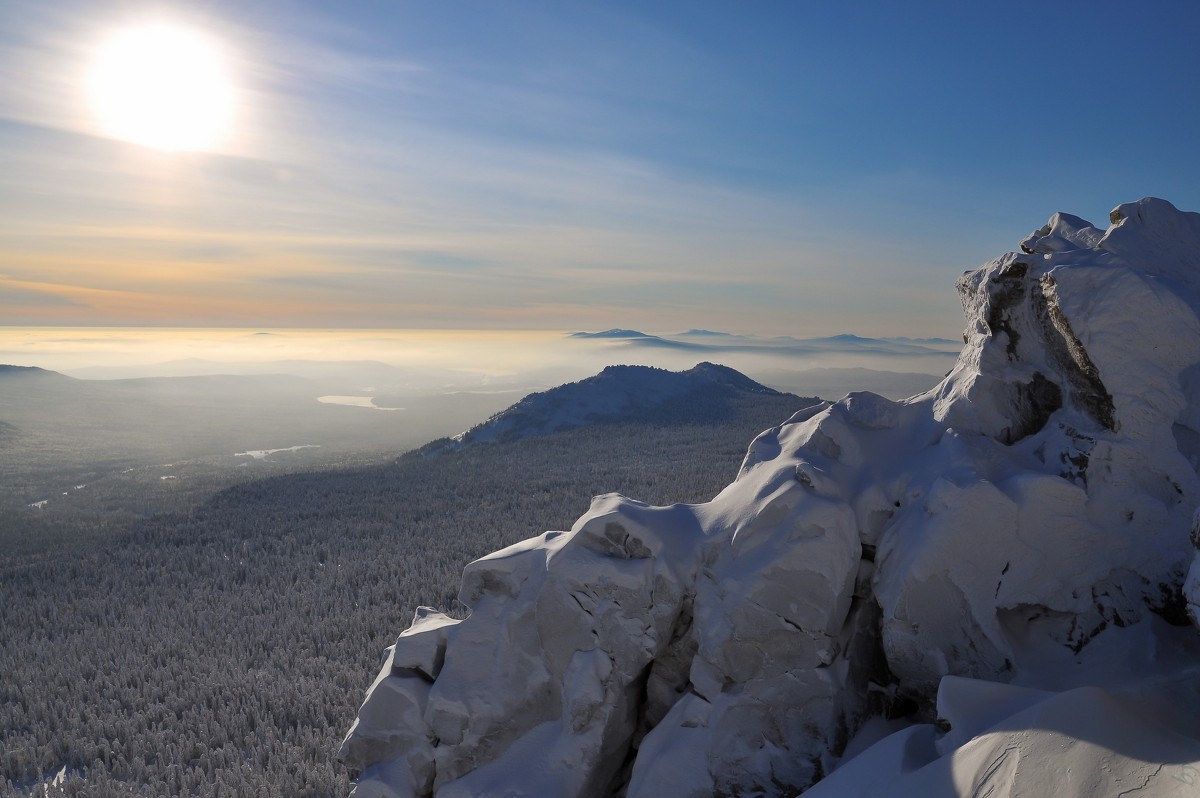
[868, 549]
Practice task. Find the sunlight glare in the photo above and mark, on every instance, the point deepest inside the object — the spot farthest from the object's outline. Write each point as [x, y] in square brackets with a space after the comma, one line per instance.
[163, 87]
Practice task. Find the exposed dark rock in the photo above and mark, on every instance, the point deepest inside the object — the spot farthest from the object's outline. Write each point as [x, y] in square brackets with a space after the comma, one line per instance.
[1088, 392]
[1035, 402]
[1006, 291]
[1172, 606]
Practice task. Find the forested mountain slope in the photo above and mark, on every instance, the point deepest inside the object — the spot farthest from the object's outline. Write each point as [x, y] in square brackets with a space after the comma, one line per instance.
[222, 652]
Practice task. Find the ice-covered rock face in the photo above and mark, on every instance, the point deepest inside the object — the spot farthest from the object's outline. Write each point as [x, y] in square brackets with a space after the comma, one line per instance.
[1073, 406]
[1043, 491]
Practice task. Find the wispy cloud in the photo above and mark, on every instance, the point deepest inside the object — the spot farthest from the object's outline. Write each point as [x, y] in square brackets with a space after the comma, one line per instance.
[483, 163]
[372, 186]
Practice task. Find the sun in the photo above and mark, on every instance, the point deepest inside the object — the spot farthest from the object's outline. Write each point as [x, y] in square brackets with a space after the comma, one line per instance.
[162, 86]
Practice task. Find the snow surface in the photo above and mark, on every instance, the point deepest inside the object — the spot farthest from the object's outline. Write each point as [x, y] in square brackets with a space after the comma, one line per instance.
[1118, 719]
[981, 590]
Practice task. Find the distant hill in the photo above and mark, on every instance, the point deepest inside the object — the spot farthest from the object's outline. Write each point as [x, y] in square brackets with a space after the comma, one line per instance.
[704, 333]
[18, 372]
[613, 333]
[718, 344]
[930, 341]
[707, 393]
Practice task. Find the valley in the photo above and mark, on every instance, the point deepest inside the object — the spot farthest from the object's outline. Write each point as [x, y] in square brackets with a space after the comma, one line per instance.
[229, 615]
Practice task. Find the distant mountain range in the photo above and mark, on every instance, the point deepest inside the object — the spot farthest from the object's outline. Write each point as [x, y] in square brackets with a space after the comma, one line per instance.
[845, 343]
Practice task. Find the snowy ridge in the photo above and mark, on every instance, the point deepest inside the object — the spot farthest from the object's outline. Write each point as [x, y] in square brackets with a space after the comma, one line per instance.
[618, 393]
[1008, 552]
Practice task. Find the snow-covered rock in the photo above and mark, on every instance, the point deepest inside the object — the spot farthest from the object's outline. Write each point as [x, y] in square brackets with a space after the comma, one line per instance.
[872, 559]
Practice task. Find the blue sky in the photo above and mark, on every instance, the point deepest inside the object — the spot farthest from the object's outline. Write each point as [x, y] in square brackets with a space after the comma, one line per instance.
[776, 168]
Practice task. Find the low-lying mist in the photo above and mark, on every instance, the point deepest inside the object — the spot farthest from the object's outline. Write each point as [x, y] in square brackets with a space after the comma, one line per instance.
[374, 362]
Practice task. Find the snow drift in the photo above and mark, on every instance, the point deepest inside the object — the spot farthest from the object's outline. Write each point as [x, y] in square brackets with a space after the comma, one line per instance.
[988, 581]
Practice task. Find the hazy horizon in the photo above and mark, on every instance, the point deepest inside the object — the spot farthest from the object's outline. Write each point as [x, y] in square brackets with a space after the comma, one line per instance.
[426, 359]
